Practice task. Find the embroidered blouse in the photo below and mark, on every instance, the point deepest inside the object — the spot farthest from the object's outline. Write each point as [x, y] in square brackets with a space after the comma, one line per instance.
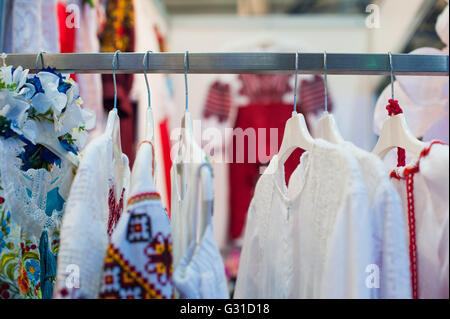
[138, 262]
[93, 210]
[314, 237]
[423, 187]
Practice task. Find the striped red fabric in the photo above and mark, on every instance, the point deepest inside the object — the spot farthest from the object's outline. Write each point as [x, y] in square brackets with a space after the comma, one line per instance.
[312, 95]
[266, 89]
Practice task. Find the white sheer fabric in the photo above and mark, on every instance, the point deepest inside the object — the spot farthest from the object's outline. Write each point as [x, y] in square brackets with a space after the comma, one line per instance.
[84, 238]
[314, 237]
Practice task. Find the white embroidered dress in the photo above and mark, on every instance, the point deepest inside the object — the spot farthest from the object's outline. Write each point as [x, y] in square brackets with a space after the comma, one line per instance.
[310, 239]
[423, 186]
[93, 200]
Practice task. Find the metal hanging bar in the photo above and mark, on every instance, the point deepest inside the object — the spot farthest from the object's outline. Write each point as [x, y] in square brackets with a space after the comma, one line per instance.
[240, 63]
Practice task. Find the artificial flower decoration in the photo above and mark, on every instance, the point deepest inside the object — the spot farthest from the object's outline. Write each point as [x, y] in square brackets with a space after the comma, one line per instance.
[44, 109]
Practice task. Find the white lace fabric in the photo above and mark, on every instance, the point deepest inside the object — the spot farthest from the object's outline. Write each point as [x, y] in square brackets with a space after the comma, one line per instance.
[27, 192]
[84, 238]
[312, 238]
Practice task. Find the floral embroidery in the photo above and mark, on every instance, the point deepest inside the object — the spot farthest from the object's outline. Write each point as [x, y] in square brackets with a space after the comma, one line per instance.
[159, 253]
[139, 228]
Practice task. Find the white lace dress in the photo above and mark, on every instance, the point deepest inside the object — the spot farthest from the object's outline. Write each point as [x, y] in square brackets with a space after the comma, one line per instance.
[312, 238]
[93, 209]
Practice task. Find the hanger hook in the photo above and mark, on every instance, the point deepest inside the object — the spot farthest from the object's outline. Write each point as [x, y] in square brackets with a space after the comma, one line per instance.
[115, 61]
[391, 68]
[295, 83]
[325, 78]
[146, 63]
[186, 66]
[40, 56]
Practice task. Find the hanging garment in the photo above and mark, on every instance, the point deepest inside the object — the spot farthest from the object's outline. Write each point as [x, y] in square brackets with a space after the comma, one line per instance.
[152, 30]
[138, 262]
[310, 239]
[183, 201]
[93, 209]
[32, 26]
[119, 34]
[257, 98]
[248, 158]
[86, 41]
[201, 272]
[389, 247]
[423, 188]
[34, 181]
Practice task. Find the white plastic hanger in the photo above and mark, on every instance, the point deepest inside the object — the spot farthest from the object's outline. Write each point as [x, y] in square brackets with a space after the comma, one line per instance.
[296, 134]
[113, 130]
[326, 125]
[50, 142]
[395, 131]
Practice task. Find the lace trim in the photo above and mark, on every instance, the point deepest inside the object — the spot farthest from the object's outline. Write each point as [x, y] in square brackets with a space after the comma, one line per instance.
[28, 194]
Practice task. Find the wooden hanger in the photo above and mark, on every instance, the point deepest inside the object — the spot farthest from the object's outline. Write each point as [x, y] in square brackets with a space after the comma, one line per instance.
[296, 134]
[395, 131]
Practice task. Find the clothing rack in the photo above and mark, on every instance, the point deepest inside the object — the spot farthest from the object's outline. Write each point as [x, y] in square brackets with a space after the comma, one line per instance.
[238, 63]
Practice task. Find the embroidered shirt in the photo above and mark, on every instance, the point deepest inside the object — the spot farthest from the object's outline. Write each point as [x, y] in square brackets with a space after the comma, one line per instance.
[138, 263]
[423, 187]
[310, 239]
[93, 209]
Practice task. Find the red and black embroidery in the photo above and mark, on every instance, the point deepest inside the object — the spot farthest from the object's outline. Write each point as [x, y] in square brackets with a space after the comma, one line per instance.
[159, 253]
[139, 228]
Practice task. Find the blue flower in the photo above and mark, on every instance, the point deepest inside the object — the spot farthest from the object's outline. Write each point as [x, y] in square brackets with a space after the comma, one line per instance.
[33, 269]
[2, 242]
[36, 83]
[37, 157]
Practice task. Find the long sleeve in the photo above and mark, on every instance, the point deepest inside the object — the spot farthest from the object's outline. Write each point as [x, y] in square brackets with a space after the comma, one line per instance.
[395, 278]
[349, 250]
[248, 281]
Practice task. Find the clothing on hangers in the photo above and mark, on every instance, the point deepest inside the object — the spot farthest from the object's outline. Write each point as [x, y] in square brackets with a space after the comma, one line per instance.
[200, 274]
[324, 210]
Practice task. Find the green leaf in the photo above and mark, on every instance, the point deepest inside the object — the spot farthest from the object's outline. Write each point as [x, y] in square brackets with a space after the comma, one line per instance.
[7, 258]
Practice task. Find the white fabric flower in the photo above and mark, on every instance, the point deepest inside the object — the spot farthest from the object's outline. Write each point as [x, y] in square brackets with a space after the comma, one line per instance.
[14, 108]
[51, 98]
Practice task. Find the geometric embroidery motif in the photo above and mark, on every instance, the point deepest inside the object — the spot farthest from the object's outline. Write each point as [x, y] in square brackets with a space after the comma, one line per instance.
[159, 253]
[122, 281]
[139, 228]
